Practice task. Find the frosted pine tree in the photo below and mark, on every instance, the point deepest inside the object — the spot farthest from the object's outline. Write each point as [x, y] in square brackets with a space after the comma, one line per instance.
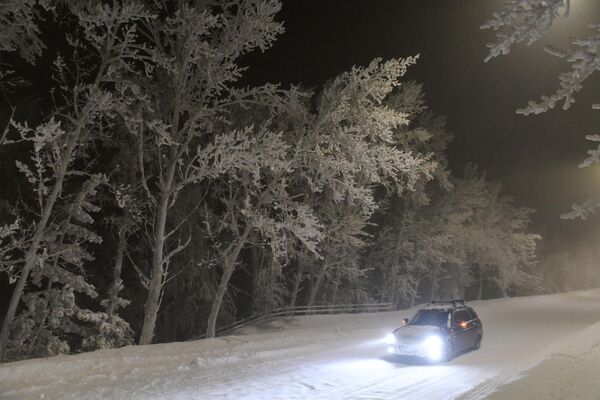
[85, 109]
[51, 315]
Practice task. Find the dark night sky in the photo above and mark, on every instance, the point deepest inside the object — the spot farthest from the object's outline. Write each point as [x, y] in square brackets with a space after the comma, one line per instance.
[534, 157]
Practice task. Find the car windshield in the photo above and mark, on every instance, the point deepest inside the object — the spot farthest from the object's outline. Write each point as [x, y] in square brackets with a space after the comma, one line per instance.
[430, 317]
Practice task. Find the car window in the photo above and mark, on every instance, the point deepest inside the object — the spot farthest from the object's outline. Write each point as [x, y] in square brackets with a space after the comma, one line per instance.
[472, 313]
[462, 315]
[430, 317]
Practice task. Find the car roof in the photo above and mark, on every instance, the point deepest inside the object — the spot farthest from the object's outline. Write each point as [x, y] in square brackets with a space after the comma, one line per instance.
[446, 305]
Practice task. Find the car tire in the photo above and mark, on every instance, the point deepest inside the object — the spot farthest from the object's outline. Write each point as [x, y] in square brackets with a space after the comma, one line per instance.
[477, 344]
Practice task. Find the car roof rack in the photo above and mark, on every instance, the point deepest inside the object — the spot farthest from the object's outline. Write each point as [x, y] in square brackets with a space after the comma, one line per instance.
[455, 303]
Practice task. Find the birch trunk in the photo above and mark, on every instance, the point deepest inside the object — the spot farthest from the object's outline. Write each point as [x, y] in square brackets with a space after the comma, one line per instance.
[433, 286]
[335, 290]
[480, 288]
[228, 267]
[315, 288]
[257, 260]
[158, 256]
[42, 324]
[156, 280]
[296, 288]
[116, 283]
[413, 299]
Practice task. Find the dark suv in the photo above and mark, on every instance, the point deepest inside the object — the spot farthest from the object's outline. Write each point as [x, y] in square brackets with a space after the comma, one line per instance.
[438, 332]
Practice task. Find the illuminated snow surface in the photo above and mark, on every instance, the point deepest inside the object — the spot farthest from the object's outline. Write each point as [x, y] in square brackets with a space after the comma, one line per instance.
[534, 347]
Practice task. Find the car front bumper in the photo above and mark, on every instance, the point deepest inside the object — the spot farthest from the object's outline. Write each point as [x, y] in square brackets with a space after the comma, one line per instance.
[433, 347]
[412, 350]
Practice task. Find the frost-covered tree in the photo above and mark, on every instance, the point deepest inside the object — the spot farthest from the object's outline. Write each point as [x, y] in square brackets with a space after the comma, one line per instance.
[350, 153]
[421, 245]
[297, 230]
[426, 134]
[51, 315]
[186, 94]
[395, 278]
[527, 21]
[258, 199]
[469, 232]
[85, 109]
[497, 244]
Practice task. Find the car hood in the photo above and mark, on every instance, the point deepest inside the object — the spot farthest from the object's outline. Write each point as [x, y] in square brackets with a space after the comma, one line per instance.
[410, 331]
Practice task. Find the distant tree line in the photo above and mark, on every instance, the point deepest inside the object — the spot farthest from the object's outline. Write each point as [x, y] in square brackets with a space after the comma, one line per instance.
[148, 196]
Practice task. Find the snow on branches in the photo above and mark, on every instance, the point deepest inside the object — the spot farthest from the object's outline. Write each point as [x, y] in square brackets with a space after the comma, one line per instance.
[19, 28]
[584, 57]
[523, 21]
[529, 20]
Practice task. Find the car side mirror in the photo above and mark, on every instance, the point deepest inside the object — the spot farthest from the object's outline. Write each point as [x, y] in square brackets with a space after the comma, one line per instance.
[405, 321]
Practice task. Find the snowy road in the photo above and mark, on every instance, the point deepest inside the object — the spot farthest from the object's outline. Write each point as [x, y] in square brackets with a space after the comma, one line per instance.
[317, 357]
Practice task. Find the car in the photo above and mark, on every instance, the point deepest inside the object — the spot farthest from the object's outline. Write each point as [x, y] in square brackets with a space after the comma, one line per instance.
[438, 332]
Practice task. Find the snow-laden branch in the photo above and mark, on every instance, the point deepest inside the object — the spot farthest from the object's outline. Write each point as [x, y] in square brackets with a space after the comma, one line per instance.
[523, 21]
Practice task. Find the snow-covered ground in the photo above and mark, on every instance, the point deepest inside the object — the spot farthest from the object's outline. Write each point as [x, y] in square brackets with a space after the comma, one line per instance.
[572, 372]
[542, 347]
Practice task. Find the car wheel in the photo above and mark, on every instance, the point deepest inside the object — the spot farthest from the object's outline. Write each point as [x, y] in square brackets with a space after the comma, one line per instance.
[477, 344]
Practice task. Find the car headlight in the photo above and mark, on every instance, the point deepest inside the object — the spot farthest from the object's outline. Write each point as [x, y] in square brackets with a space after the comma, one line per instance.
[434, 345]
[390, 339]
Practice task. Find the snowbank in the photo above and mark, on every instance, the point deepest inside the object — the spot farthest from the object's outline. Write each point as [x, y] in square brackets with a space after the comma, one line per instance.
[572, 373]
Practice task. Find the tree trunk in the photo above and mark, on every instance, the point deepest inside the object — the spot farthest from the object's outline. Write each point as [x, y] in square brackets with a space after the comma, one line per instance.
[116, 283]
[315, 288]
[335, 290]
[503, 291]
[433, 286]
[297, 281]
[156, 280]
[42, 324]
[228, 267]
[480, 286]
[158, 257]
[257, 261]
